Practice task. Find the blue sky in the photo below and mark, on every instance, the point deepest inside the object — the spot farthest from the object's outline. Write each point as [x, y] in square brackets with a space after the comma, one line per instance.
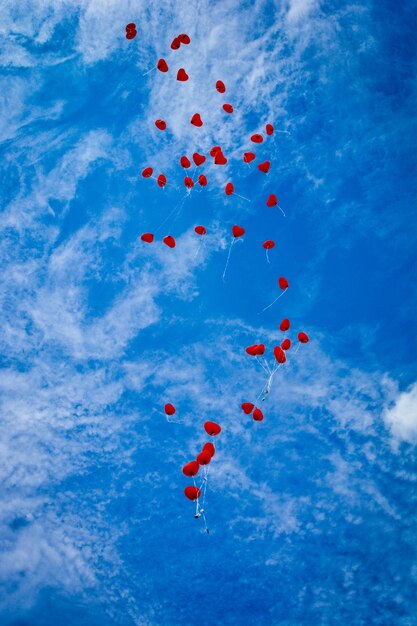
[312, 511]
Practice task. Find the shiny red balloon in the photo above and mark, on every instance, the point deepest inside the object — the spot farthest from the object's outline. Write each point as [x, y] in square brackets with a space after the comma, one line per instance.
[192, 493]
[175, 44]
[229, 189]
[212, 428]
[162, 180]
[200, 230]
[169, 409]
[215, 150]
[303, 337]
[203, 458]
[264, 167]
[249, 156]
[257, 138]
[283, 283]
[268, 244]
[237, 231]
[169, 241]
[162, 65]
[269, 129]
[182, 75]
[272, 200]
[258, 415]
[147, 172]
[188, 182]
[279, 354]
[285, 324]
[184, 39]
[228, 108]
[161, 124]
[286, 344]
[247, 407]
[202, 180]
[198, 158]
[196, 120]
[191, 469]
[185, 162]
[220, 159]
[209, 447]
[220, 86]
[131, 34]
[148, 237]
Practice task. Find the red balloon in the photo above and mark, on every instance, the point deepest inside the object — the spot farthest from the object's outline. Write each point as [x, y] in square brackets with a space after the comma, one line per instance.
[285, 324]
[303, 337]
[237, 231]
[182, 75]
[279, 354]
[249, 156]
[260, 349]
[200, 230]
[184, 38]
[212, 428]
[272, 200]
[175, 44]
[257, 138]
[229, 189]
[162, 65]
[283, 283]
[258, 415]
[192, 493]
[247, 407]
[252, 350]
[215, 150]
[185, 161]
[191, 469]
[170, 409]
[131, 34]
[162, 180]
[202, 180]
[203, 458]
[148, 237]
[220, 86]
[131, 26]
[196, 120]
[264, 167]
[269, 129]
[286, 344]
[209, 447]
[228, 108]
[268, 244]
[169, 241]
[198, 158]
[220, 159]
[188, 182]
[147, 172]
[161, 124]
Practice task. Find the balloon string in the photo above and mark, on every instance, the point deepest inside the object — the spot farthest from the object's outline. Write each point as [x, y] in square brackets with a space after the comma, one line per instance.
[228, 259]
[262, 365]
[178, 207]
[267, 257]
[243, 197]
[149, 71]
[200, 247]
[281, 210]
[269, 305]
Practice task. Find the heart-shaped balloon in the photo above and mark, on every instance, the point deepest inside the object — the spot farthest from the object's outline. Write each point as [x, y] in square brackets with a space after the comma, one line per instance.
[162, 180]
[185, 162]
[196, 120]
[200, 230]
[220, 159]
[247, 407]
[272, 200]
[249, 156]
[269, 129]
[184, 38]
[131, 34]
[238, 231]
[279, 354]
[182, 75]
[264, 167]
[285, 324]
[268, 244]
[198, 158]
[258, 415]
[148, 237]
[170, 242]
[162, 65]
[161, 124]
[257, 138]
[202, 180]
[220, 86]
[252, 350]
[229, 189]
[188, 182]
[303, 337]
[215, 150]
[147, 172]
[228, 108]
[283, 283]
[175, 44]
[286, 344]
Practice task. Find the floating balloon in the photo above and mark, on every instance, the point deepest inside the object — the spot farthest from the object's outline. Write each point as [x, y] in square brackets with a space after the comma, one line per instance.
[286, 344]
[169, 241]
[148, 237]
[258, 415]
[264, 167]
[209, 447]
[303, 337]
[202, 180]
[220, 159]
[188, 182]
[161, 124]
[247, 407]
[269, 129]
[175, 44]
[215, 150]
[279, 354]
[131, 26]
[212, 428]
[237, 231]
[285, 324]
[249, 156]
[258, 349]
[196, 120]
[283, 283]
[192, 493]
[191, 469]
[272, 200]
[229, 189]
[198, 158]
[184, 39]
[182, 75]
[162, 180]
[131, 34]
[185, 162]
[220, 86]
[257, 138]
[147, 172]
[203, 458]
[228, 108]
[169, 409]
[268, 244]
[200, 230]
[162, 65]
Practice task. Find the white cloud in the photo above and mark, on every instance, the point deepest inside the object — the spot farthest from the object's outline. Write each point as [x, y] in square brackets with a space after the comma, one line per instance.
[401, 417]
